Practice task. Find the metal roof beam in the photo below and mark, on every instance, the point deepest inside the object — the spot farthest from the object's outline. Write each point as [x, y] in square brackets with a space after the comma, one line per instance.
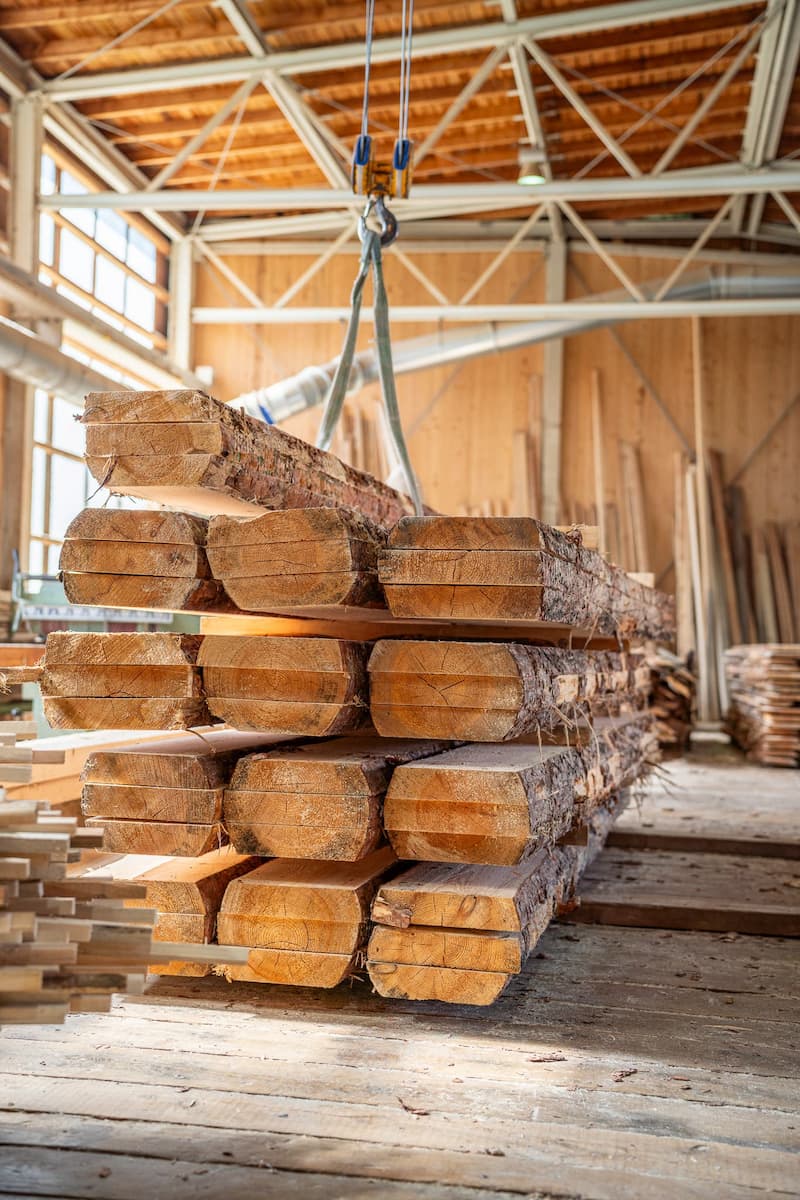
[309, 59]
[775, 75]
[493, 313]
[474, 197]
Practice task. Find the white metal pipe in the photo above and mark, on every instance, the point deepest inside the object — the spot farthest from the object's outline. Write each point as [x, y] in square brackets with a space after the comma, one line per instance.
[456, 197]
[310, 59]
[31, 360]
[310, 386]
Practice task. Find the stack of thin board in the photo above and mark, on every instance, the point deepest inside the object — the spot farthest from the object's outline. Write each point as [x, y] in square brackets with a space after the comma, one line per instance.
[322, 800]
[502, 803]
[65, 944]
[139, 558]
[122, 681]
[186, 894]
[301, 921]
[184, 449]
[164, 797]
[310, 686]
[495, 692]
[504, 568]
[459, 933]
[672, 699]
[59, 782]
[764, 712]
[311, 557]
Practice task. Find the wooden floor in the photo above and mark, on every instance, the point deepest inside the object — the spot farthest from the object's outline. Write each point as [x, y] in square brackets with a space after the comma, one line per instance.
[626, 1062]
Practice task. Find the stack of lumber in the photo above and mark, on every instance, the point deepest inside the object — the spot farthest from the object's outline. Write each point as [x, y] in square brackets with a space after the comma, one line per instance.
[672, 698]
[508, 724]
[138, 558]
[500, 568]
[301, 921]
[495, 692]
[185, 450]
[20, 757]
[503, 803]
[59, 782]
[313, 557]
[311, 686]
[460, 933]
[164, 797]
[186, 895]
[65, 944]
[122, 681]
[764, 713]
[323, 800]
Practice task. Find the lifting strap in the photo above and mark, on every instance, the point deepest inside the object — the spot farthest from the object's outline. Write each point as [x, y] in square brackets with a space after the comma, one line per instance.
[371, 255]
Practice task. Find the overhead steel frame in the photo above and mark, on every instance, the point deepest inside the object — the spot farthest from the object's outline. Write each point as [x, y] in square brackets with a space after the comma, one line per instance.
[333, 207]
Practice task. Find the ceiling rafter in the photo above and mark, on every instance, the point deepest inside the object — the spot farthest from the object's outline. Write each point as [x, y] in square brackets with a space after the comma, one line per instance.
[311, 59]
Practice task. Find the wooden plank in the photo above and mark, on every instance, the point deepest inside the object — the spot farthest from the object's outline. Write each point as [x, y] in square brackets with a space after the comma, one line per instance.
[440, 567]
[159, 837]
[723, 545]
[728, 894]
[322, 922]
[725, 808]
[501, 803]
[780, 584]
[599, 459]
[792, 536]
[309, 686]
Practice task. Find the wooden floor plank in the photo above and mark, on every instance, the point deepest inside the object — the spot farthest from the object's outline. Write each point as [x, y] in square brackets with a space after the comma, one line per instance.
[715, 804]
[638, 1062]
[676, 890]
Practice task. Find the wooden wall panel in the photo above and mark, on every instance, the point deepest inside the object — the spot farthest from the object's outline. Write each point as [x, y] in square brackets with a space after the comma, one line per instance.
[463, 448]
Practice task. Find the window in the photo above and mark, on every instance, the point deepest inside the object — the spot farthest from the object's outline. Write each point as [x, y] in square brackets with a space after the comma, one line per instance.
[61, 485]
[109, 266]
[102, 262]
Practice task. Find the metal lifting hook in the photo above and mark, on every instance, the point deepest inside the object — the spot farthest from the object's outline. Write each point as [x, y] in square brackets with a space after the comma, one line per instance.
[386, 220]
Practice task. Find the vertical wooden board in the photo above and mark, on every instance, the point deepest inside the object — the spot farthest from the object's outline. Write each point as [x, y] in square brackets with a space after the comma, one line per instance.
[723, 543]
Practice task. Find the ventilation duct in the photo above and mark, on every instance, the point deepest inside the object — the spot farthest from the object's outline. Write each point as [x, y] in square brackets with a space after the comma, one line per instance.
[26, 357]
[308, 387]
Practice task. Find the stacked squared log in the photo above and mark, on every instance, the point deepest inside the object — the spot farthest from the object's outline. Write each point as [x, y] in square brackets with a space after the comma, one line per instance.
[140, 558]
[265, 564]
[764, 712]
[164, 797]
[495, 757]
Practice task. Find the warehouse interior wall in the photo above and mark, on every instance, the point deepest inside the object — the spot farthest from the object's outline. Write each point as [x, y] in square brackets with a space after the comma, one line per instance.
[462, 420]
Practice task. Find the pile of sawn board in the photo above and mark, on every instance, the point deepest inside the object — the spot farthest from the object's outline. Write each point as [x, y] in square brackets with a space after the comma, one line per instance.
[66, 944]
[764, 710]
[493, 762]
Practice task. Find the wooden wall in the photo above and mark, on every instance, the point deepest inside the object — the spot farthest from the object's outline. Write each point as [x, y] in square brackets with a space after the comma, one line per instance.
[463, 447]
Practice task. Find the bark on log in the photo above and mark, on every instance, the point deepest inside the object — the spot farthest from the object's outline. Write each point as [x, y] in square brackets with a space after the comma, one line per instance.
[491, 692]
[473, 568]
[209, 458]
